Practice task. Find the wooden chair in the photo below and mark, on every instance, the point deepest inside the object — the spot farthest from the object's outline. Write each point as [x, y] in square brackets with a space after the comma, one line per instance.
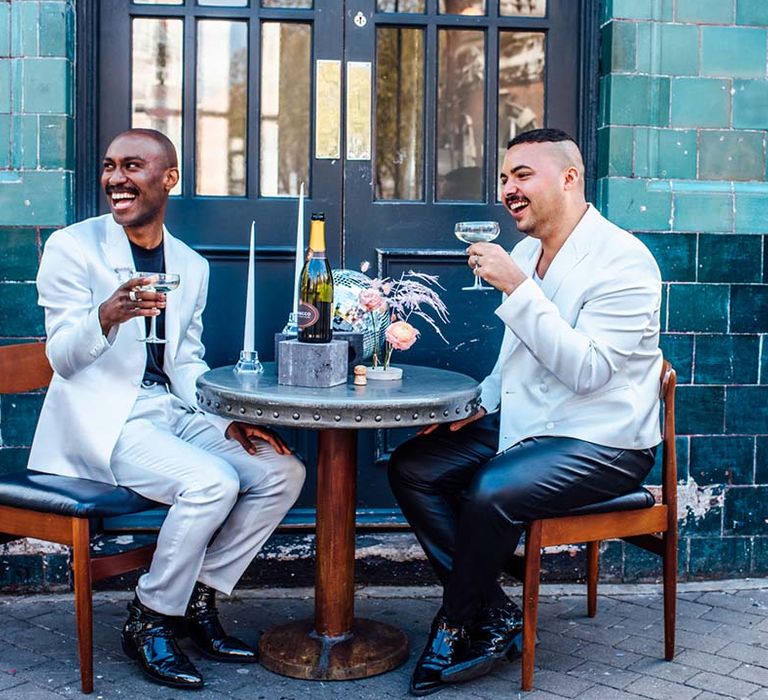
[61, 509]
[635, 518]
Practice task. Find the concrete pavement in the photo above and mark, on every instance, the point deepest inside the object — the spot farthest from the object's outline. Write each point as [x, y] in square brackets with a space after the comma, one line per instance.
[722, 647]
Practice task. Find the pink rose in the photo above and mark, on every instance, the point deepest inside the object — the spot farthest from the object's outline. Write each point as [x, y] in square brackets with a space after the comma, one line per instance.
[370, 299]
[401, 335]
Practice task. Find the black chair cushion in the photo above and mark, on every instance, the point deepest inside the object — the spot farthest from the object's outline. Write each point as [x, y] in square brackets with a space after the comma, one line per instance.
[65, 495]
[635, 500]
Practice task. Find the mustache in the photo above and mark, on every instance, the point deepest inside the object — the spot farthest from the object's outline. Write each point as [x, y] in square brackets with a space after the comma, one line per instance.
[120, 190]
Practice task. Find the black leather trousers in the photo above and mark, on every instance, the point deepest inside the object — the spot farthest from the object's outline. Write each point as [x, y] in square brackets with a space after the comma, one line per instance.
[468, 506]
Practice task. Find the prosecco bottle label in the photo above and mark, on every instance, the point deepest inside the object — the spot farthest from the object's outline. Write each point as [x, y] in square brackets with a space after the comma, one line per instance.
[307, 315]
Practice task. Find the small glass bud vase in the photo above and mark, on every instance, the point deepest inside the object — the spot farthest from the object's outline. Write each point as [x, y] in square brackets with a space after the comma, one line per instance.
[249, 363]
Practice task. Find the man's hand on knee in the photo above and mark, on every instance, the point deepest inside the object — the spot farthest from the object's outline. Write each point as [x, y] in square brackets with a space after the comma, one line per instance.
[247, 435]
[456, 425]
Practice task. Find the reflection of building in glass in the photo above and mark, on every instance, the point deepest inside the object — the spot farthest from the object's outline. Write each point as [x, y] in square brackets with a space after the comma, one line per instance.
[400, 6]
[157, 77]
[515, 8]
[461, 118]
[285, 108]
[220, 139]
[522, 61]
[399, 163]
[521, 82]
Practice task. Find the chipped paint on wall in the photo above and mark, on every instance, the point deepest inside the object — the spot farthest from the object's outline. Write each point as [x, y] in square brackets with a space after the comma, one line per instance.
[692, 499]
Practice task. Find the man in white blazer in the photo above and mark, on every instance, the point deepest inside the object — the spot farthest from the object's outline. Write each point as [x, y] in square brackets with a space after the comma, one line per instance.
[123, 411]
[569, 413]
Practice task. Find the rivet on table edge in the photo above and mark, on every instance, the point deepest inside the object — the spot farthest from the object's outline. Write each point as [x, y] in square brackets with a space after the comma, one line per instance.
[358, 419]
[242, 410]
[275, 414]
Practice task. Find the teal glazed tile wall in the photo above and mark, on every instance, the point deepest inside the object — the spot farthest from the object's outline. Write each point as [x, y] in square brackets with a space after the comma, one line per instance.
[36, 167]
[682, 137]
[682, 163]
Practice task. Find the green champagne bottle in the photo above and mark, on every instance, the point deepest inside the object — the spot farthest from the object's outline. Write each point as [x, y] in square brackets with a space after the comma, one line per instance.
[316, 290]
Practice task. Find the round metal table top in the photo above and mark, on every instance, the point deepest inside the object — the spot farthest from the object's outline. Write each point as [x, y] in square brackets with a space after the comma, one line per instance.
[424, 395]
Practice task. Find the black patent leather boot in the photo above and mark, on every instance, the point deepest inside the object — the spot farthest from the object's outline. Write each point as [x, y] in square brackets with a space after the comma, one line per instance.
[150, 638]
[444, 647]
[497, 632]
[204, 628]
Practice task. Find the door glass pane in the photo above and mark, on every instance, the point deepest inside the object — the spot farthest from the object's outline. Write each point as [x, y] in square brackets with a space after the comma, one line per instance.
[158, 2]
[285, 107]
[294, 4]
[460, 114]
[523, 8]
[399, 113]
[521, 85]
[156, 69]
[462, 7]
[224, 3]
[222, 79]
[400, 6]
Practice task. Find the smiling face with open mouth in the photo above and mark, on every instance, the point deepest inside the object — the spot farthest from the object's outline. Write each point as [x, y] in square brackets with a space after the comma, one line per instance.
[533, 186]
[137, 177]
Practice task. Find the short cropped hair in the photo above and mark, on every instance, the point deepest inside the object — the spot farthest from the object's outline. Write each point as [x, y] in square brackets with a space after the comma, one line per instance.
[542, 136]
[169, 150]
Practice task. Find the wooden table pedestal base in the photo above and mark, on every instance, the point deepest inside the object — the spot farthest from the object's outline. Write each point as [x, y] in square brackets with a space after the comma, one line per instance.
[296, 650]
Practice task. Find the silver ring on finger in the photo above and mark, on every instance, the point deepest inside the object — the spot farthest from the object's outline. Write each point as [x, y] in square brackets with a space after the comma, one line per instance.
[133, 296]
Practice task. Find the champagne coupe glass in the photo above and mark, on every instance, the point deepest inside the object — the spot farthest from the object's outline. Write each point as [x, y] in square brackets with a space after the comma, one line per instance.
[159, 282]
[476, 232]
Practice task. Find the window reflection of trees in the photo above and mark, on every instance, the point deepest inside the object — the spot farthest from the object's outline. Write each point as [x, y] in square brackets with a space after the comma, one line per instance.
[517, 8]
[522, 62]
[156, 78]
[285, 108]
[399, 113]
[400, 6]
[460, 114]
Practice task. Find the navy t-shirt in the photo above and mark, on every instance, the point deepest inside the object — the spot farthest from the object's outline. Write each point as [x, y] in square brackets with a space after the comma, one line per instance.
[153, 260]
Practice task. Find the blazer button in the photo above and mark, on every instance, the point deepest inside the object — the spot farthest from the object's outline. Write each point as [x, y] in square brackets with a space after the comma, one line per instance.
[94, 352]
[549, 426]
[544, 388]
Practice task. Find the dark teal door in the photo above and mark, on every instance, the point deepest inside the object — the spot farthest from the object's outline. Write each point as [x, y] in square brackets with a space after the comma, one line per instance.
[394, 113]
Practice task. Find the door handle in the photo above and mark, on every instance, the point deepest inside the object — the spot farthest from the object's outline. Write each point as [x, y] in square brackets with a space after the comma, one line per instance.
[327, 109]
[359, 110]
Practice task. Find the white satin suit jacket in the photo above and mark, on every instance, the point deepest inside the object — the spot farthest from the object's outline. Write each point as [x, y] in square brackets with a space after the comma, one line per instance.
[580, 355]
[96, 379]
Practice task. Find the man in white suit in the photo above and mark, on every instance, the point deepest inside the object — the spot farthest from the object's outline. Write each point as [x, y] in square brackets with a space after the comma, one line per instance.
[124, 412]
[569, 413]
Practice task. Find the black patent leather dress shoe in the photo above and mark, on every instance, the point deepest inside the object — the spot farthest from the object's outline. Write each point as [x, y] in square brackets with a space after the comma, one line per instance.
[204, 629]
[150, 638]
[445, 645]
[497, 632]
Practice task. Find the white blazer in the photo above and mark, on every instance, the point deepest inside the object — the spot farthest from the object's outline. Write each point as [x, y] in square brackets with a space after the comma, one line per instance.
[580, 355]
[96, 379]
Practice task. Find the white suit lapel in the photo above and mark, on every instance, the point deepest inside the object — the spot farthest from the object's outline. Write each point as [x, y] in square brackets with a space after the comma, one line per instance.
[175, 261]
[576, 246]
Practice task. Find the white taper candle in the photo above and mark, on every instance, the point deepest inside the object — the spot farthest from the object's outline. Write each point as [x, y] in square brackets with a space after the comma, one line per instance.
[249, 335]
[299, 264]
